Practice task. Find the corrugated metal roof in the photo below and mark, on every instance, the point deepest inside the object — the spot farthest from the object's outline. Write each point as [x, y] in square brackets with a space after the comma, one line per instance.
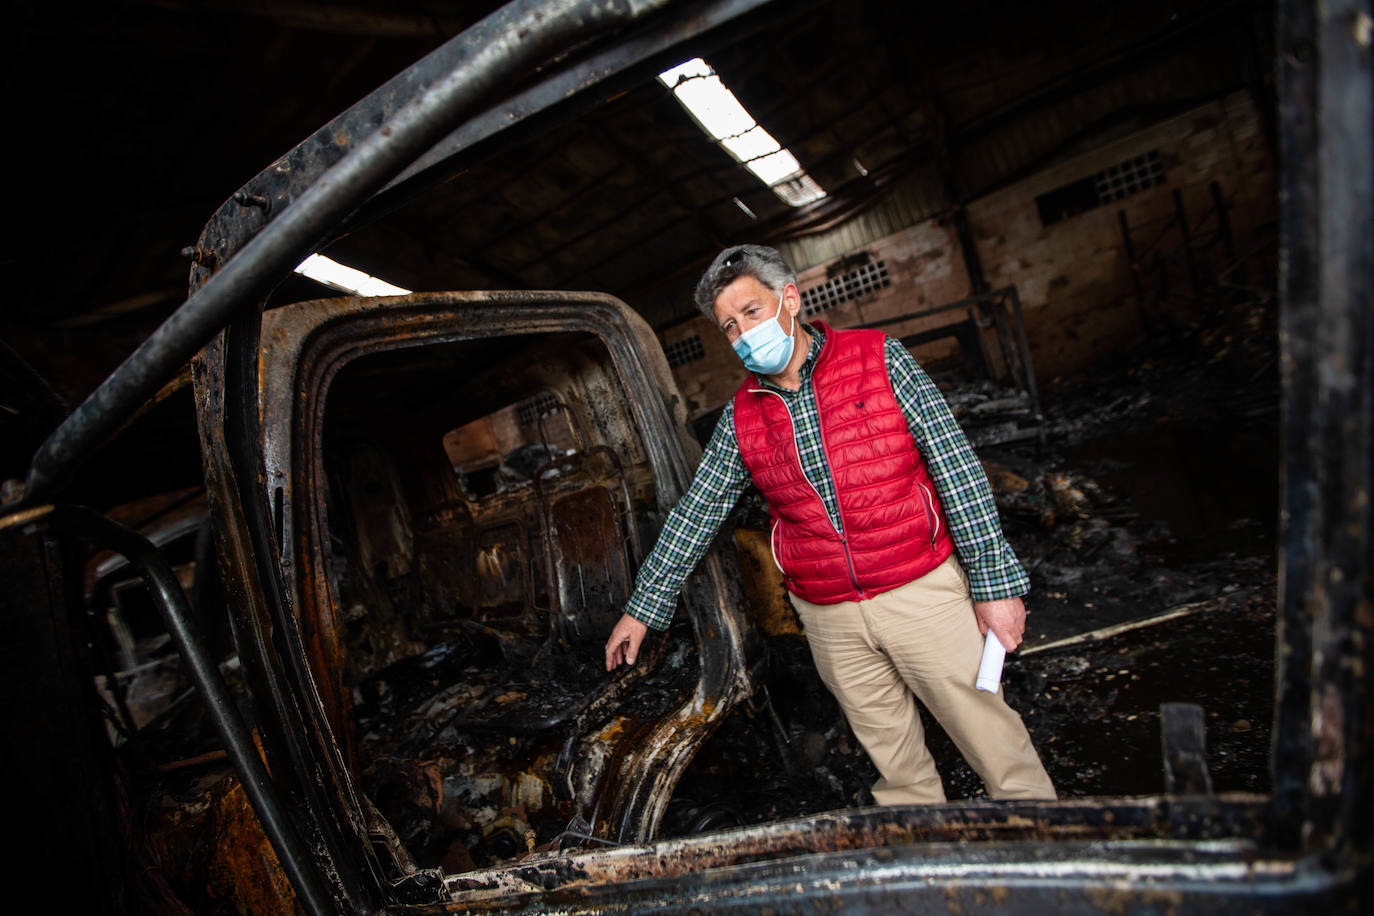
[913, 199]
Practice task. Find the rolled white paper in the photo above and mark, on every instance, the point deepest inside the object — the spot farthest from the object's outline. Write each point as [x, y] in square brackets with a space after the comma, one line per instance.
[990, 669]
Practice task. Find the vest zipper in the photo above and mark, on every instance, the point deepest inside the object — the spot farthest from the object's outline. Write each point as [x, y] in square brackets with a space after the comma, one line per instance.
[839, 531]
[932, 519]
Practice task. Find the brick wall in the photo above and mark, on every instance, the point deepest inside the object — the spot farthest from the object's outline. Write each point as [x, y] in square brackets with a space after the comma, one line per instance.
[1073, 276]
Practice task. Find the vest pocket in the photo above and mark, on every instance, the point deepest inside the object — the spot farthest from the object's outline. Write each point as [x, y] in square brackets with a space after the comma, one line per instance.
[932, 518]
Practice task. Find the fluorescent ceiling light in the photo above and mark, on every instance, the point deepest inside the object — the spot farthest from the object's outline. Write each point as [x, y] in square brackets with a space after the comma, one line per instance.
[345, 279]
[719, 113]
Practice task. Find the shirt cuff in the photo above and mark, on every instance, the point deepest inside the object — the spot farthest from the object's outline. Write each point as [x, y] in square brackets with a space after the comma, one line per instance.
[997, 574]
[652, 611]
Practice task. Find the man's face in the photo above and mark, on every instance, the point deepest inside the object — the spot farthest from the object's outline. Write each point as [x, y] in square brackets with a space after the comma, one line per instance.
[746, 303]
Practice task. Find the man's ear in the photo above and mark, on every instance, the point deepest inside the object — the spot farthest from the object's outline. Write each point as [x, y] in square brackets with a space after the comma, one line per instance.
[791, 298]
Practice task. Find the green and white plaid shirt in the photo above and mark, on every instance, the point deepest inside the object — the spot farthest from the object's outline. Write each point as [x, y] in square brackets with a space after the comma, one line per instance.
[993, 569]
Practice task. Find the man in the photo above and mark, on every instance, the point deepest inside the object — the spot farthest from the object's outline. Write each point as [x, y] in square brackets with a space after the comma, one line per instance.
[873, 490]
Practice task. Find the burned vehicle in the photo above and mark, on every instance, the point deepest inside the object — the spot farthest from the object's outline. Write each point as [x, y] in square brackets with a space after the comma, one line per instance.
[473, 475]
[427, 511]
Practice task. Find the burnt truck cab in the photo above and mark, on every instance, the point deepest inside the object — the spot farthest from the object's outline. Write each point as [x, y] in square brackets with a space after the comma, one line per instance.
[455, 491]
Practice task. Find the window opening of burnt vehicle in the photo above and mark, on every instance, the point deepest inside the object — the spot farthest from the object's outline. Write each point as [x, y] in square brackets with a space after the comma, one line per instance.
[484, 505]
[147, 695]
[507, 448]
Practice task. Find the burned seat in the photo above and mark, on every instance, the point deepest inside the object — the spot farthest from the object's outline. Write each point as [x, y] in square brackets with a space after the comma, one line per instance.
[591, 550]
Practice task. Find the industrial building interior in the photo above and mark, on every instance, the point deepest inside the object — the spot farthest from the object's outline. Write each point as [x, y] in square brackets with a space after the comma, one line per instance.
[1069, 212]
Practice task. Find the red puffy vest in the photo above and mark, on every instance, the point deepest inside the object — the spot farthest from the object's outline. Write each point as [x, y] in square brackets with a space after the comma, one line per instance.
[893, 530]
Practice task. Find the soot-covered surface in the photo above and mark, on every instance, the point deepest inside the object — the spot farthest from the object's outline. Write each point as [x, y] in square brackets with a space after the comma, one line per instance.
[452, 751]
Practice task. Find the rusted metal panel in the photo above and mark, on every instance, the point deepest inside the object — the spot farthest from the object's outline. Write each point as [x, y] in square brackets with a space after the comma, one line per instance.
[1324, 785]
[891, 852]
[768, 602]
[217, 846]
[84, 525]
[1071, 877]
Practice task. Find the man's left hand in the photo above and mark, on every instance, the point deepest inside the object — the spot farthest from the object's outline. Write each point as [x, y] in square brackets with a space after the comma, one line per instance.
[623, 646]
[1006, 617]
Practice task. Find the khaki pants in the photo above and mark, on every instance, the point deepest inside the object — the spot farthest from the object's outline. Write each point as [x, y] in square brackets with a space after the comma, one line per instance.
[922, 639]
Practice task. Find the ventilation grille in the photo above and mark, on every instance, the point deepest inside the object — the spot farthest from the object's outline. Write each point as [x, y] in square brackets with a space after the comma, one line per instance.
[1128, 177]
[541, 405]
[686, 350]
[866, 279]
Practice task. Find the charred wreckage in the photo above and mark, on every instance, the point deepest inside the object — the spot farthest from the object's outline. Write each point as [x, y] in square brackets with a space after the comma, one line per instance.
[463, 751]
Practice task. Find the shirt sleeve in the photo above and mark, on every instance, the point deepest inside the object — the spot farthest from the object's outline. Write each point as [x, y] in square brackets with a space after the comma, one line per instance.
[993, 570]
[720, 479]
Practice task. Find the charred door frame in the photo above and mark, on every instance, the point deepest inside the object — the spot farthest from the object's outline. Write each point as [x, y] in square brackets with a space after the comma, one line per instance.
[311, 342]
[1324, 723]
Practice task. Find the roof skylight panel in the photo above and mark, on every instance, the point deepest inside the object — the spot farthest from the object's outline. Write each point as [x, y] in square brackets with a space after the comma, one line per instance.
[714, 107]
[345, 279]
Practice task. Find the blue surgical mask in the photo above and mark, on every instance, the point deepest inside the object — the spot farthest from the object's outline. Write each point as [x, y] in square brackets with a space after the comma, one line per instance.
[767, 348]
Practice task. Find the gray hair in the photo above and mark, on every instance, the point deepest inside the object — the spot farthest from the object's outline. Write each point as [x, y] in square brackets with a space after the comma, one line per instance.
[758, 261]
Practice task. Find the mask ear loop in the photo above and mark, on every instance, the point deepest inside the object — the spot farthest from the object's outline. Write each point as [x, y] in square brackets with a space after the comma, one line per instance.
[792, 333]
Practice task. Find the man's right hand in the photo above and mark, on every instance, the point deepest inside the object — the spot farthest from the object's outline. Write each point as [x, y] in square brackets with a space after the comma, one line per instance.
[623, 646]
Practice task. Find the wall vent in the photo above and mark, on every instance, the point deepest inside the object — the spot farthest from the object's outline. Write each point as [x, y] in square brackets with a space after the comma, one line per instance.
[686, 350]
[866, 279]
[1127, 177]
[541, 405]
